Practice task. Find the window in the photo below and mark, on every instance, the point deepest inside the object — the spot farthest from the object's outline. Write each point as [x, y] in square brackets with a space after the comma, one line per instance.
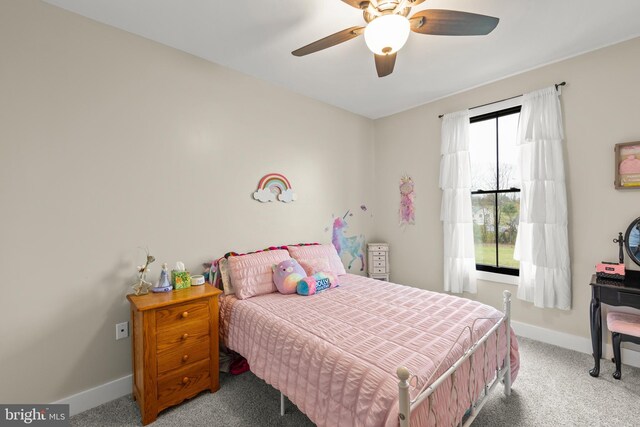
[495, 197]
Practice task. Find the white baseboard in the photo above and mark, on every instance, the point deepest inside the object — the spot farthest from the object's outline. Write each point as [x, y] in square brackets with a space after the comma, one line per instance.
[107, 392]
[573, 342]
[96, 396]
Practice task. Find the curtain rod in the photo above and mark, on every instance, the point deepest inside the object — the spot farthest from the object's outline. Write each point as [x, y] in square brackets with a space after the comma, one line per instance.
[505, 99]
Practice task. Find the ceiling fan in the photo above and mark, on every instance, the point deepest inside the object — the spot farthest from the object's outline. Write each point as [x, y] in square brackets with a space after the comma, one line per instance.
[388, 28]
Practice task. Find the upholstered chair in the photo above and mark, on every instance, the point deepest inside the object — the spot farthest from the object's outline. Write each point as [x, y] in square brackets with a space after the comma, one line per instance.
[623, 327]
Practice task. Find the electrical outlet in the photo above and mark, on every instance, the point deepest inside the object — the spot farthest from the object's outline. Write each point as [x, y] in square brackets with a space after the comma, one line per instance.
[122, 330]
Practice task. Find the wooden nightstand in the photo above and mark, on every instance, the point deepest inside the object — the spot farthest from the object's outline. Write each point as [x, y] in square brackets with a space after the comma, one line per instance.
[175, 347]
[378, 261]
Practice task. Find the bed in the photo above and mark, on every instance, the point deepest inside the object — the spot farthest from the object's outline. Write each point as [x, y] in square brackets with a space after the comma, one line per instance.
[374, 353]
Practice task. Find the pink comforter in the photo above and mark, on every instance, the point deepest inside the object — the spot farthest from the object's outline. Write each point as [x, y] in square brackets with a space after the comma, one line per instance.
[335, 354]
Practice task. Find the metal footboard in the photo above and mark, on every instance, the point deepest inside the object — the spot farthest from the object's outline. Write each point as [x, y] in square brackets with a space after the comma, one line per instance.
[406, 404]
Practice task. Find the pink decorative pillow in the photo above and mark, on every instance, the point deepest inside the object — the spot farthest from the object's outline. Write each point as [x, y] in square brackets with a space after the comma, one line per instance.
[286, 276]
[306, 254]
[252, 275]
[316, 265]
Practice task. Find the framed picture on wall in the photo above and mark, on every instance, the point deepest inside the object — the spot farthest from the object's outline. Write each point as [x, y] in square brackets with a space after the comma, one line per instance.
[627, 165]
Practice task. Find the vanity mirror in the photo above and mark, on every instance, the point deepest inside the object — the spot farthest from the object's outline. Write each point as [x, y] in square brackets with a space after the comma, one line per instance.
[632, 240]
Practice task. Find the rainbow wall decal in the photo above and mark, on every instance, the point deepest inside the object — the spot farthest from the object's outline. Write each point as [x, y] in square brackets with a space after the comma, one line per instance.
[274, 186]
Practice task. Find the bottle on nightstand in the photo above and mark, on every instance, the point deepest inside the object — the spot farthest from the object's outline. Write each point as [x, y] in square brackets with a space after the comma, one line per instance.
[378, 261]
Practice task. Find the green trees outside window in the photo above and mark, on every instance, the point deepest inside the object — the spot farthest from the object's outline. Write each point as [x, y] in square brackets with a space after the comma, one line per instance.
[495, 196]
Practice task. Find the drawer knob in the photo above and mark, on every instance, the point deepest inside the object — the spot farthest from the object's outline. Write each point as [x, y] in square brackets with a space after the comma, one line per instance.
[185, 357]
[185, 380]
[185, 314]
[185, 336]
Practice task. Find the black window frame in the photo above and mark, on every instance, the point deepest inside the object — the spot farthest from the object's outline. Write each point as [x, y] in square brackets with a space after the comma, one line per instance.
[479, 118]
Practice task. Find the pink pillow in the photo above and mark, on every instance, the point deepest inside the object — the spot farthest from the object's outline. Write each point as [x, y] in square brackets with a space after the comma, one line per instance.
[252, 275]
[316, 265]
[307, 255]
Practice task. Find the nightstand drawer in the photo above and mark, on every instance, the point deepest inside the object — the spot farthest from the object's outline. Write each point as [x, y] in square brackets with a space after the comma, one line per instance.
[176, 386]
[169, 317]
[380, 258]
[379, 270]
[182, 333]
[375, 249]
[183, 355]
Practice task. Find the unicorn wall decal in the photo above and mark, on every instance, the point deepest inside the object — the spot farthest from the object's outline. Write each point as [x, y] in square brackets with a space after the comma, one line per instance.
[352, 245]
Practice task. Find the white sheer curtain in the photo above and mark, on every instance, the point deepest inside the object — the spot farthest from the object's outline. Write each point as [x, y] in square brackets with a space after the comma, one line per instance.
[457, 221]
[542, 245]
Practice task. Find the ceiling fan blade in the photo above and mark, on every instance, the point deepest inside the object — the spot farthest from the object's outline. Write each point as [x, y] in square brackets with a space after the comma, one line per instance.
[385, 64]
[441, 22]
[358, 4]
[332, 40]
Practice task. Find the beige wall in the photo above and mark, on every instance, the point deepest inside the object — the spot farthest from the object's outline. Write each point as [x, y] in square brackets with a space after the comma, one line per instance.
[109, 142]
[601, 105]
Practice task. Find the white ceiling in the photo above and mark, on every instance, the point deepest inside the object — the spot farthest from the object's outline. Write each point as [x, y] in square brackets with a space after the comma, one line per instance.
[256, 38]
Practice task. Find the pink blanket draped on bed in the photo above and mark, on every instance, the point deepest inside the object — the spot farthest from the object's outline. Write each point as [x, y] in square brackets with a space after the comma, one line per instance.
[335, 354]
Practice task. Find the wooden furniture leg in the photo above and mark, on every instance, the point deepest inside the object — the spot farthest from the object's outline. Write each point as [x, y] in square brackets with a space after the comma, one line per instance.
[615, 338]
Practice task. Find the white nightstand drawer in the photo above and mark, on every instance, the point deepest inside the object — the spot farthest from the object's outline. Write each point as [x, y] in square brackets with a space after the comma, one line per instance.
[380, 258]
[378, 248]
[379, 270]
[379, 264]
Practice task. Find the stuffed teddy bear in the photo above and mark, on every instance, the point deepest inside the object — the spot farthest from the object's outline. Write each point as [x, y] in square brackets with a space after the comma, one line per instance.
[286, 276]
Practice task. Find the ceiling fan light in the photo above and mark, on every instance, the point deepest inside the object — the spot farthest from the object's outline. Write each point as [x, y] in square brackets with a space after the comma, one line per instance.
[387, 34]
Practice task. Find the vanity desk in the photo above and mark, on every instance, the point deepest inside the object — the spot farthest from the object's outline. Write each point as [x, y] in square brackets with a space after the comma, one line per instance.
[611, 292]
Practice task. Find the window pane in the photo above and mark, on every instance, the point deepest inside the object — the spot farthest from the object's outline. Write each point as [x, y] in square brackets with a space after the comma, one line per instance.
[508, 171]
[483, 207]
[482, 150]
[508, 217]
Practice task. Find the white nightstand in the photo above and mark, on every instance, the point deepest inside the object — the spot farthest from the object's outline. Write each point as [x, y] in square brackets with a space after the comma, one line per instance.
[378, 257]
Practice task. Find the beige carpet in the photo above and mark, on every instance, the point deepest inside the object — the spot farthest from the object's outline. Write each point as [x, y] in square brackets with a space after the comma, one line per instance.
[552, 389]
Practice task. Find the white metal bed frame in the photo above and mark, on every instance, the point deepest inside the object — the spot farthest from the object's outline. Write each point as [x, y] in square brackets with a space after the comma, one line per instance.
[406, 404]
